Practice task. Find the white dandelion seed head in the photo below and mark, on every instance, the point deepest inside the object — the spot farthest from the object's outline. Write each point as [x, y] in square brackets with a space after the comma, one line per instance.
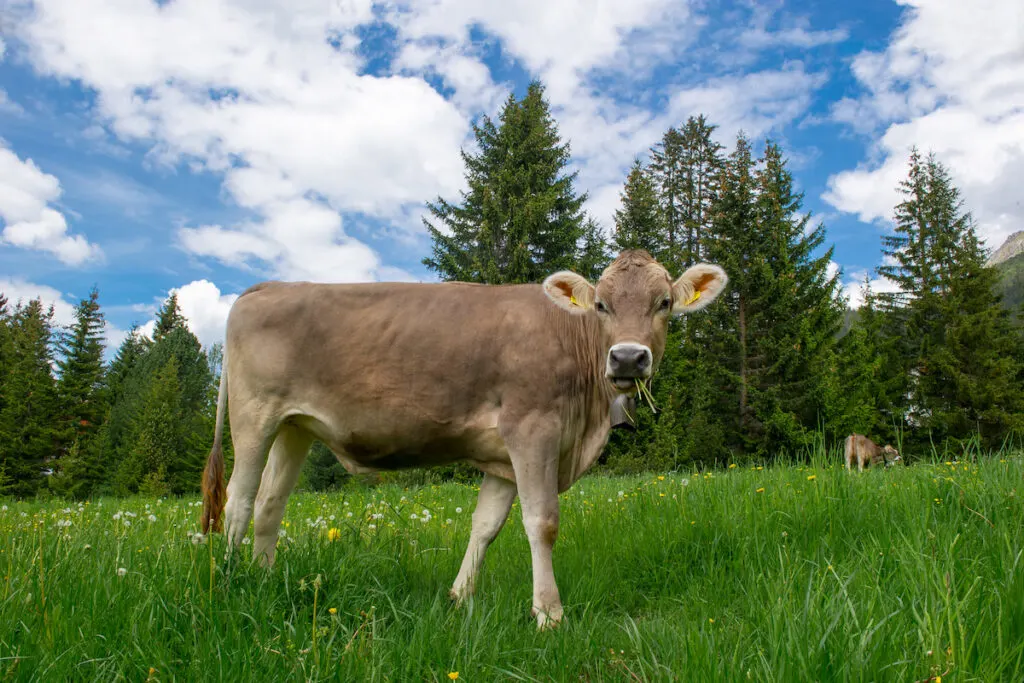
[198, 538]
[152, 518]
[371, 526]
[458, 511]
[121, 571]
[246, 541]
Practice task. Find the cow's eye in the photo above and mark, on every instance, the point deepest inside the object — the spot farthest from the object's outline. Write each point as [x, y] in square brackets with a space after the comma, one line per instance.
[666, 304]
[601, 308]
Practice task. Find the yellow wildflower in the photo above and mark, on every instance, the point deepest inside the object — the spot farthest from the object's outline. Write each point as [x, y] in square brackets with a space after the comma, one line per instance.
[760, 490]
[333, 534]
[453, 675]
[812, 477]
[333, 611]
[661, 477]
[732, 466]
[710, 620]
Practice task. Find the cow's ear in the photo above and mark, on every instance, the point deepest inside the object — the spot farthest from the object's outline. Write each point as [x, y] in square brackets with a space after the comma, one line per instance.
[570, 291]
[698, 287]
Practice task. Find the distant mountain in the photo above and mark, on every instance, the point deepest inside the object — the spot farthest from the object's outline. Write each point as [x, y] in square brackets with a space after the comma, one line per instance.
[1011, 283]
[1013, 246]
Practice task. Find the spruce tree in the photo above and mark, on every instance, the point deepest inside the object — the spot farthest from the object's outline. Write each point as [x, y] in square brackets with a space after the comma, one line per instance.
[30, 410]
[961, 368]
[521, 219]
[701, 166]
[640, 223]
[81, 384]
[594, 256]
[667, 159]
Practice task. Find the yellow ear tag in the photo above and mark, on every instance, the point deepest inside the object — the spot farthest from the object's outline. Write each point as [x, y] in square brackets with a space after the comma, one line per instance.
[573, 301]
[693, 298]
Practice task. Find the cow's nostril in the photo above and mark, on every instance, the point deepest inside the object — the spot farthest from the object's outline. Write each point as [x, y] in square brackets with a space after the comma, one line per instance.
[643, 361]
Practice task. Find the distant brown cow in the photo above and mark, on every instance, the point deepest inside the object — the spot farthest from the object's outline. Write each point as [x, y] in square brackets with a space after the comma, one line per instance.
[865, 452]
[520, 381]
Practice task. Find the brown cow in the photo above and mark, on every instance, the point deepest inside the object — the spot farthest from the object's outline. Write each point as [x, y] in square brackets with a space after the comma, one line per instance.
[865, 452]
[517, 380]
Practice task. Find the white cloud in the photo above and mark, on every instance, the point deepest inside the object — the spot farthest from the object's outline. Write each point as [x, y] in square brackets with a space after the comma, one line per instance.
[26, 194]
[951, 81]
[254, 92]
[853, 288]
[205, 310]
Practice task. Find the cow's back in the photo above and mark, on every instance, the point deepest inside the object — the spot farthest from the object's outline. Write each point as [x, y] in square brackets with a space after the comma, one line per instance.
[396, 374]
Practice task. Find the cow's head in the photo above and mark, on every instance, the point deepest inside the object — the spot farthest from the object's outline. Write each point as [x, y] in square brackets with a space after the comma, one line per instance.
[633, 301]
[890, 455]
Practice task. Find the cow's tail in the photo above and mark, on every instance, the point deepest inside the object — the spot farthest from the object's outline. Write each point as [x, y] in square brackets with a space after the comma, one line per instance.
[214, 495]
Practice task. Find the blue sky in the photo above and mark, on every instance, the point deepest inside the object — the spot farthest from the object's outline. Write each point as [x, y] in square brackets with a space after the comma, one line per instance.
[204, 145]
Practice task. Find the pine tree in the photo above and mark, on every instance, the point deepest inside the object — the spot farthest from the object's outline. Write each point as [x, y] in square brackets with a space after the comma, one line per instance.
[520, 219]
[962, 368]
[81, 384]
[30, 410]
[158, 435]
[666, 167]
[701, 166]
[593, 256]
[640, 223]
[133, 373]
[168, 318]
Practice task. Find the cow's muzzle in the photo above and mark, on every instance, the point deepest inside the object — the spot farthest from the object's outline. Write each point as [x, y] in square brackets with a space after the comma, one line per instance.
[627, 363]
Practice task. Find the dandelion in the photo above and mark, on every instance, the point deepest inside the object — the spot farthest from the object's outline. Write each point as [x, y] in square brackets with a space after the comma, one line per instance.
[685, 482]
[453, 675]
[121, 571]
[332, 611]
[661, 477]
[414, 516]
[812, 477]
[710, 620]
[198, 538]
[448, 521]
[760, 490]
[458, 511]
[3, 508]
[348, 514]
[152, 518]
[371, 526]
[333, 534]
[732, 466]
[246, 541]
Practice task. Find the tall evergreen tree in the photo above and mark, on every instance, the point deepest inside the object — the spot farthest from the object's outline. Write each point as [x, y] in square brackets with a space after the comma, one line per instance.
[666, 166]
[701, 166]
[640, 222]
[81, 383]
[594, 256]
[521, 218]
[168, 318]
[961, 355]
[30, 410]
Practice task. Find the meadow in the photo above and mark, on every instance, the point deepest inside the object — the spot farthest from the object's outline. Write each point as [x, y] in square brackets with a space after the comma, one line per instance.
[783, 573]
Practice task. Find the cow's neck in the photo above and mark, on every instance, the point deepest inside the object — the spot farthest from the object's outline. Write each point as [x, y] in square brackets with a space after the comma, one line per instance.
[592, 397]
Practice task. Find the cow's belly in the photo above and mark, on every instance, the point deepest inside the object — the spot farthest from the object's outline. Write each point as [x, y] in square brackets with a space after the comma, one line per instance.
[403, 444]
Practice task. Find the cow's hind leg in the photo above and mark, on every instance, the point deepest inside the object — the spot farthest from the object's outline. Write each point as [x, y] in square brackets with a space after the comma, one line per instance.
[492, 507]
[251, 437]
[282, 471]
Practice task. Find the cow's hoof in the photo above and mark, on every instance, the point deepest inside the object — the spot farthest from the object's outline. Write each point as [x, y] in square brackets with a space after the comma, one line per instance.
[547, 620]
[459, 597]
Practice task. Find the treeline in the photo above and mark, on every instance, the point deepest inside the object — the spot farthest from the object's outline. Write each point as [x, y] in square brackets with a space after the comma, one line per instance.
[770, 369]
[75, 426]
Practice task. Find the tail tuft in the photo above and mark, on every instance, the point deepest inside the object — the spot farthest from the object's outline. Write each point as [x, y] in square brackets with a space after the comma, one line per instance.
[213, 490]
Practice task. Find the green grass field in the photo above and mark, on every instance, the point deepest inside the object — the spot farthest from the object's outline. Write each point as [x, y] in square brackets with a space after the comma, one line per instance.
[775, 574]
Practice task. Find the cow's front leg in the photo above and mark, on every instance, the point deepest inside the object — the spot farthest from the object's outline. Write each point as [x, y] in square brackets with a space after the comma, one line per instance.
[535, 461]
[492, 507]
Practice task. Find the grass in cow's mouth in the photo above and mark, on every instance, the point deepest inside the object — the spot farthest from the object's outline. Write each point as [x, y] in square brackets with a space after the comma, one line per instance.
[645, 393]
[744, 573]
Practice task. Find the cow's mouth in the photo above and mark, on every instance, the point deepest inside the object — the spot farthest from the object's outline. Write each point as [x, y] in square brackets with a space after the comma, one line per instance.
[624, 384]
